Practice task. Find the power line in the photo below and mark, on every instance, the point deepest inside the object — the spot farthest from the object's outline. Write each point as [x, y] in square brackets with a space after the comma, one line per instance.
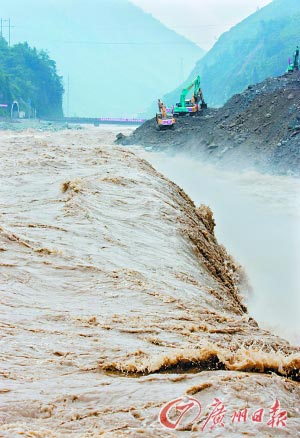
[122, 43]
[175, 26]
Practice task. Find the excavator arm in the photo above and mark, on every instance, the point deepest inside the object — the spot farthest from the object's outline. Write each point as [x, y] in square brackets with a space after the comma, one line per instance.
[296, 59]
[292, 66]
[184, 93]
[197, 95]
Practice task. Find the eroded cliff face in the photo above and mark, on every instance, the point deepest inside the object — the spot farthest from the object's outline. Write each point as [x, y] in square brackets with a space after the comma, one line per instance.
[117, 298]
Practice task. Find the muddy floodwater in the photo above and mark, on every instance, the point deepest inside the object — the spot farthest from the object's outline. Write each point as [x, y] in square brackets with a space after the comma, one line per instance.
[117, 298]
[258, 220]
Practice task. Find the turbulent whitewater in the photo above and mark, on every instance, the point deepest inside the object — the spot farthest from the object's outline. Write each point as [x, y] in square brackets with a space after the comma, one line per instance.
[117, 298]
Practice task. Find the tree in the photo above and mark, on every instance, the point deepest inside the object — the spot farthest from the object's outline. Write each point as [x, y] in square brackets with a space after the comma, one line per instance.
[30, 76]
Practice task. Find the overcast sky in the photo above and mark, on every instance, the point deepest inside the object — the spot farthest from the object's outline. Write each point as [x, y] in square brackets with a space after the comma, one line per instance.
[202, 21]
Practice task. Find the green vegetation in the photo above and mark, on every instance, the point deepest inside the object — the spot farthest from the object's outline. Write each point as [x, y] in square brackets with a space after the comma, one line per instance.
[256, 48]
[30, 77]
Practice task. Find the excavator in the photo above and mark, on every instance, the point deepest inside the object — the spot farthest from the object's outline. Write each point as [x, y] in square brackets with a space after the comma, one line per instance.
[164, 118]
[193, 105]
[295, 65]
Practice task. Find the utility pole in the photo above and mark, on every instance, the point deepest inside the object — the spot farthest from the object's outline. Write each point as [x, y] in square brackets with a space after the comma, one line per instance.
[181, 76]
[68, 97]
[2, 26]
[9, 32]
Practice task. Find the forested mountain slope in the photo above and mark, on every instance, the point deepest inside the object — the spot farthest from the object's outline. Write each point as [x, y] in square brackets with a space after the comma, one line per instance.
[256, 48]
[29, 76]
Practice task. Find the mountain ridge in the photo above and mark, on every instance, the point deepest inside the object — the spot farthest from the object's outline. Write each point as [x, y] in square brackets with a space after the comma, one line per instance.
[115, 58]
[254, 49]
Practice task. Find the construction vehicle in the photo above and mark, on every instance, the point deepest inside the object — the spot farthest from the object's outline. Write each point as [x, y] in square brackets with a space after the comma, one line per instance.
[165, 118]
[193, 105]
[295, 64]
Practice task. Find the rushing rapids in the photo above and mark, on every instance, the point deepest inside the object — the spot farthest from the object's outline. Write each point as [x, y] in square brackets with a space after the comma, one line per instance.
[117, 298]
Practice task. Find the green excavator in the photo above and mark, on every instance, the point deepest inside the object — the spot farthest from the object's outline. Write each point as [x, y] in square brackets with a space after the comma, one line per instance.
[193, 105]
[295, 64]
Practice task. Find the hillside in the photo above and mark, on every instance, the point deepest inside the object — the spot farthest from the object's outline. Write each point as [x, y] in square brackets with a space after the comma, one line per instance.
[259, 128]
[256, 48]
[30, 77]
[118, 58]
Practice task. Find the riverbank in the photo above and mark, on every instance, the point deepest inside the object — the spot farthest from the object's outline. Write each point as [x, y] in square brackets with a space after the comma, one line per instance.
[258, 129]
[117, 298]
[35, 124]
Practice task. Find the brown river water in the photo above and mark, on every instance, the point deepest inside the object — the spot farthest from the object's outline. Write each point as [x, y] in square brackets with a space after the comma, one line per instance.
[116, 297]
[258, 221]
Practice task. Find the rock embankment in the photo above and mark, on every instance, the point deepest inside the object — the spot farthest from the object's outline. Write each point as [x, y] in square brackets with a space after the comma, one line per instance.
[259, 128]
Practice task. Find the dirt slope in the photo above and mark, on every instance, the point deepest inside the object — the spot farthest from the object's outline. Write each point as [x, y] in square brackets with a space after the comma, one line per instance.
[259, 128]
[116, 298]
